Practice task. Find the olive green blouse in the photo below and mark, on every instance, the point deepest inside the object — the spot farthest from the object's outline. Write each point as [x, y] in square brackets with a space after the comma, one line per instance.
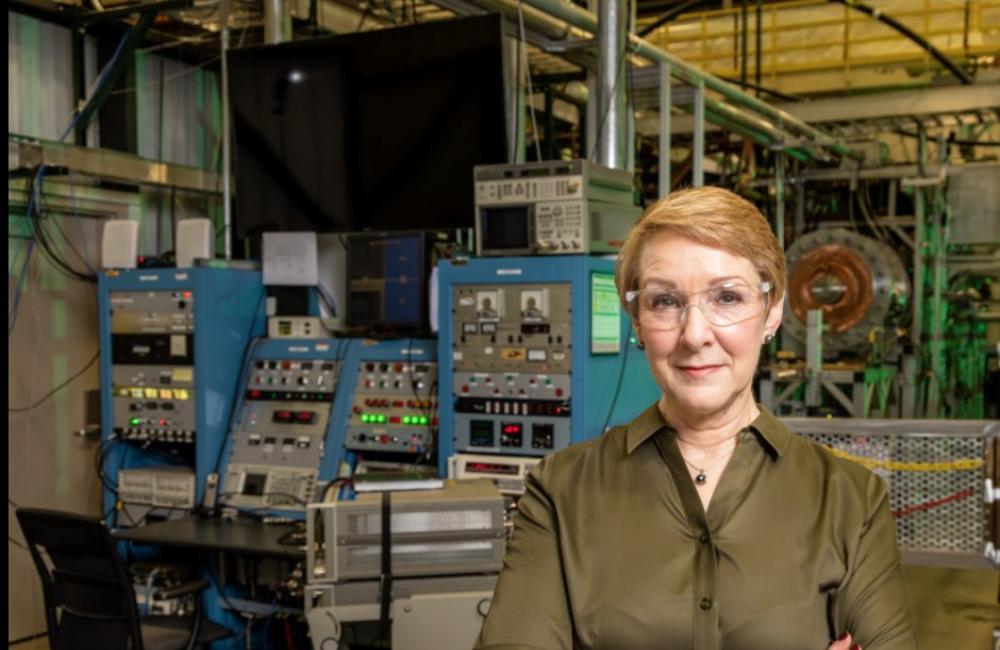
[612, 549]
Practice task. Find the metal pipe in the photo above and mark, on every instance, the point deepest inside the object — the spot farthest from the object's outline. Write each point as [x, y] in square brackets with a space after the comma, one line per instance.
[779, 198]
[665, 105]
[585, 20]
[227, 140]
[543, 26]
[698, 140]
[277, 22]
[612, 29]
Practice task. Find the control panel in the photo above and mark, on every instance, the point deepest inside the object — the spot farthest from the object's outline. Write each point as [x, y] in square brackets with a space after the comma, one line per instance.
[152, 356]
[512, 364]
[280, 430]
[394, 407]
[535, 355]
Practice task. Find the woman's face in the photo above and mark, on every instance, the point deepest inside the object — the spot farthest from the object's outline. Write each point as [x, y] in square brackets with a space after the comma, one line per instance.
[702, 369]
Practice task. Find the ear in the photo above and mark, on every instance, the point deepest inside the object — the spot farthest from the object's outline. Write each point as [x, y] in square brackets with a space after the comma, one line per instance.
[774, 315]
[638, 331]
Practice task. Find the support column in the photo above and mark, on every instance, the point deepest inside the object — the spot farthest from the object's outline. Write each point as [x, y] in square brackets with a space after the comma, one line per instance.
[277, 22]
[612, 121]
[698, 136]
[227, 140]
[665, 104]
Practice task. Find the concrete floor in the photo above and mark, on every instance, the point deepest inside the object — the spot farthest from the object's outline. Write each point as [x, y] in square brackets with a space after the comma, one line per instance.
[954, 608]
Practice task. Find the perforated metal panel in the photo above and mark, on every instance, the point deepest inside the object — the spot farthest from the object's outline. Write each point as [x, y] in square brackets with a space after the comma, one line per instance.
[937, 475]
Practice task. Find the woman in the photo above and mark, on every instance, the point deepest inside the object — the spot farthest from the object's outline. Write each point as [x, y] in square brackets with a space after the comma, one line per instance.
[703, 523]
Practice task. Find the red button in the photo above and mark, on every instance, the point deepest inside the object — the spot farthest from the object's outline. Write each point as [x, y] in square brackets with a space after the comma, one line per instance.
[357, 409]
[398, 367]
[254, 394]
[394, 419]
[465, 389]
[558, 392]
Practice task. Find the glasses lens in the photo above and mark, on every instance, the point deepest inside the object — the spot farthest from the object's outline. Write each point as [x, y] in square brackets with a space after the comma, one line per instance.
[731, 304]
[662, 307]
[724, 305]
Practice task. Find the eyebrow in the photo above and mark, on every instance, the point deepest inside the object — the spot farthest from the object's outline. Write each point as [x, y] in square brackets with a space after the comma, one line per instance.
[671, 284]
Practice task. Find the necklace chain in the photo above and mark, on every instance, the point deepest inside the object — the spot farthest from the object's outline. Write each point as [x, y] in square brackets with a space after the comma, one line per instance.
[701, 478]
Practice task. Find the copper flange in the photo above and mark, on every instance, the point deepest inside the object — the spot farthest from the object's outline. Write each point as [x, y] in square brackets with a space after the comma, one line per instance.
[835, 279]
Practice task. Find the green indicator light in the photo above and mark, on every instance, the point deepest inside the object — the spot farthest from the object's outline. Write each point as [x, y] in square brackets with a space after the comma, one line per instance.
[406, 419]
[424, 420]
[135, 422]
[364, 417]
[381, 418]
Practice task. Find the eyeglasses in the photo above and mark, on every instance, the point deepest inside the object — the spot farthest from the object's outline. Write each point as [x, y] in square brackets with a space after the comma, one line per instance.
[723, 305]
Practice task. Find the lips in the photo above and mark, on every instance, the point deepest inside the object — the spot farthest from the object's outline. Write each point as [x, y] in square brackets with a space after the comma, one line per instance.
[699, 371]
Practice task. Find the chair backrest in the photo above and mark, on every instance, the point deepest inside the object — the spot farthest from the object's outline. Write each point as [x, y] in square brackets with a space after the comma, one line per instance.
[89, 601]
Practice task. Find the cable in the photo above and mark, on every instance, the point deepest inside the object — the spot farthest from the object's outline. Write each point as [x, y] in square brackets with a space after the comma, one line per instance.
[618, 387]
[101, 453]
[57, 388]
[169, 77]
[669, 15]
[242, 376]
[883, 17]
[961, 143]
[22, 274]
[25, 639]
[934, 503]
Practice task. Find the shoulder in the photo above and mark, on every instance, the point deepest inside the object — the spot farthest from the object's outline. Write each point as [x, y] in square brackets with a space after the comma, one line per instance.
[581, 464]
[842, 480]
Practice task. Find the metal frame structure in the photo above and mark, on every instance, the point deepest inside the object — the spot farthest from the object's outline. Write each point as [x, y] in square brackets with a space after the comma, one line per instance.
[922, 459]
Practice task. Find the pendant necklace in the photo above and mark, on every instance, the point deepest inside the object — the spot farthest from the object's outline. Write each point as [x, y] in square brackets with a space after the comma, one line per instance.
[702, 476]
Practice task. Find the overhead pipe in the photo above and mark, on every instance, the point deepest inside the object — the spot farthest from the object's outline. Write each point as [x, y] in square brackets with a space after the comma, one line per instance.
[585, 20]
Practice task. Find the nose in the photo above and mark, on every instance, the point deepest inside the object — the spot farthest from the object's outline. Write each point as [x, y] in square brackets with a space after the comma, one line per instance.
[696, 331]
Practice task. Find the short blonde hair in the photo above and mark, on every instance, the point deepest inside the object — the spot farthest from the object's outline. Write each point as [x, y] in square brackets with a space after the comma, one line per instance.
[711, 216]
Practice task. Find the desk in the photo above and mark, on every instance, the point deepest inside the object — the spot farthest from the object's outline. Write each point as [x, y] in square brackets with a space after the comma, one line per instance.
[244, 536]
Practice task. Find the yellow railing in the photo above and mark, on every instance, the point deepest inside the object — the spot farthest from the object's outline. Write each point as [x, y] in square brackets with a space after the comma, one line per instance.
[811, 37]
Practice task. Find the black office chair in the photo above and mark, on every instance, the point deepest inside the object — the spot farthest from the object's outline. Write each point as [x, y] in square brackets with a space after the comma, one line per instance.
[89, 601]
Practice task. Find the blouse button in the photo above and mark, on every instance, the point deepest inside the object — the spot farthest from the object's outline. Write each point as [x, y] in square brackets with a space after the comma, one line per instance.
[704, 538]
[706, 603]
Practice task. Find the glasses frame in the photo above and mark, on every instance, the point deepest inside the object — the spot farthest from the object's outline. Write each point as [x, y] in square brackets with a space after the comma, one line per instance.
[764, 287]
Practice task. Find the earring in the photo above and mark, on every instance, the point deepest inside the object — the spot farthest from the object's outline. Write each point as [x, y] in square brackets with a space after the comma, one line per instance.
[640, 345]
[768, 337]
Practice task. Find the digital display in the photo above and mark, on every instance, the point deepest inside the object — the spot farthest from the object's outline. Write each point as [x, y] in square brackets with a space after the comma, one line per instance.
[534, 328]
[481, 433]
[511, 434]
[505, 228]
[253, 484]
[490, 468]
[542, 436]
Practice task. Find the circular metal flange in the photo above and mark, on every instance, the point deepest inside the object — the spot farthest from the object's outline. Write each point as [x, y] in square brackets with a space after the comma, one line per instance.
[855, 280]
